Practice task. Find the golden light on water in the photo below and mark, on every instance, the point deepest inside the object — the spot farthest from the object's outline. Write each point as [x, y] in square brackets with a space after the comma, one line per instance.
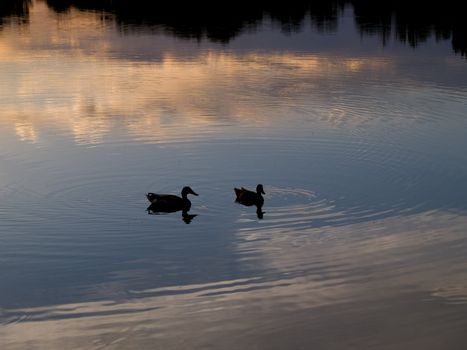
[82, 85]
[26, 132]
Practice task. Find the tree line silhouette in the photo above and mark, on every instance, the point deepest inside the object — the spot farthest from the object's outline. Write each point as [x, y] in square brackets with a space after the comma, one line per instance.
[16, 8]
[412, 22]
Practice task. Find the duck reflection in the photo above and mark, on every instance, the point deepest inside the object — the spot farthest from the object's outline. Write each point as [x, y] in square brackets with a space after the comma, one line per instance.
[249, 198]
[170, 203]
[188, 217]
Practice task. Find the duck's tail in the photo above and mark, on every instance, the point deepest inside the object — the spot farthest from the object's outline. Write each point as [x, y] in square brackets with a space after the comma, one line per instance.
[152, 197]
[237, 192]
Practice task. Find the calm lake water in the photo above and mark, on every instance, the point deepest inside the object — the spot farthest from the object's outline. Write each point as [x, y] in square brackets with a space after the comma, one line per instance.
[360, 144]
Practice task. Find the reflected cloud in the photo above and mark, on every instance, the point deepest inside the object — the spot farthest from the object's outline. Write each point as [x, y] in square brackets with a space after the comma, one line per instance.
[52, 34]
[75, 74]
[405, 248]
[175, 100]
[26, 132]
[77, 87]
[379, 270]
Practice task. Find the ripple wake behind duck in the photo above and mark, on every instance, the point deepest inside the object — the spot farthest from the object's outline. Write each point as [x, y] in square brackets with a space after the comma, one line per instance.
[290, 209]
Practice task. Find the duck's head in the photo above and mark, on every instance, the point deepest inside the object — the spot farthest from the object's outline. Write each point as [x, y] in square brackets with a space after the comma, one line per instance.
[259, 189]
[187, 190]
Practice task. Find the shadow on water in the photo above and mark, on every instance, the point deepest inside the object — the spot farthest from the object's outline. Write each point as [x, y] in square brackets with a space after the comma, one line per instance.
[411, 23]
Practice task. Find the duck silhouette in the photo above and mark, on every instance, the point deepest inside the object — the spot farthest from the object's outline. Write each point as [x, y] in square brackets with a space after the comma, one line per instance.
[250, 198]
[169, 203]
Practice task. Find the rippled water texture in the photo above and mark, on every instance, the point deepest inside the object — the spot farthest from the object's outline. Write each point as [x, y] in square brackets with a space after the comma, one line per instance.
[360, 147]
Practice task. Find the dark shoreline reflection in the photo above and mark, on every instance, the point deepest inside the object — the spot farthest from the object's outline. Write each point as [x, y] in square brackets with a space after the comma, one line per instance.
[412, 23]
[19, 9]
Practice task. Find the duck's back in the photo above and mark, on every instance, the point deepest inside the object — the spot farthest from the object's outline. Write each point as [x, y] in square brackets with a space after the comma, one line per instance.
[152, 197]
[248, 197]
[167, 202]
[239, 191]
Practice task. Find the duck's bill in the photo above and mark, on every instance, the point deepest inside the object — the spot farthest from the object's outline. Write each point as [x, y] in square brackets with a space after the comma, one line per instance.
[193, 192]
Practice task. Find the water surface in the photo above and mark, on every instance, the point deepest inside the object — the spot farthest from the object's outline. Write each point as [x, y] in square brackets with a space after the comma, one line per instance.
[359, 144]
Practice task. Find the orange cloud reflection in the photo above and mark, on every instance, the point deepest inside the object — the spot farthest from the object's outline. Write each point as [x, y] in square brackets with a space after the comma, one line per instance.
[75, 74]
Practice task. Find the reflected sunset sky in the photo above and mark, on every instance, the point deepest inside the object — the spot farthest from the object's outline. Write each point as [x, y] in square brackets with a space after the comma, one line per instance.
[77, 73]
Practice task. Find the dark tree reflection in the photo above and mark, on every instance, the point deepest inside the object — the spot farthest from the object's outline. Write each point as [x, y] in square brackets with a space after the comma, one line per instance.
[14, 9]
[412, 22]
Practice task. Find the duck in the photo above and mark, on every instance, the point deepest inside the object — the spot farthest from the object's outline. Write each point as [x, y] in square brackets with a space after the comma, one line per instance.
[249, 198]
[169, 203]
